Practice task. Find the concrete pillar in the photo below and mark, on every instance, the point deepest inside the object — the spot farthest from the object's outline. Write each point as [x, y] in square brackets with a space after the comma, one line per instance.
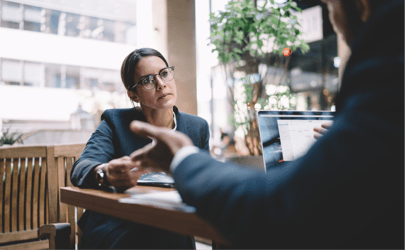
[160, 26]
[174, 30]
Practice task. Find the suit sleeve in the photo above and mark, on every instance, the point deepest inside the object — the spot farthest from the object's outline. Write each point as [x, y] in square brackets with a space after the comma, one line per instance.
[310, 201]
[205, 135]
[99, 149]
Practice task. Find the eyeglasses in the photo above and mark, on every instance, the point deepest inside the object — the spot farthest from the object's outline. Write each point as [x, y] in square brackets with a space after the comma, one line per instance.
[149, 82]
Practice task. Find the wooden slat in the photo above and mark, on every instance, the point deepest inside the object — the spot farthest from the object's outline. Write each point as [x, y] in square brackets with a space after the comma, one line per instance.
[2, 171]
[22, 151]
[42, 185]
[35, 189]
[78, 230]
[47, 205]
[69, 165]
[65, 156]
[21, 196]
[14, 197]
[62, 183]
[53, 186]
[71, 218]
[28, 199]
[71, 150]
[7, 197]
[39, 244]
[19, 236]
[71, 209]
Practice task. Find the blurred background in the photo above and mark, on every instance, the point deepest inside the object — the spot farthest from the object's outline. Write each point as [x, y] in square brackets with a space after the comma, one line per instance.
[60, 64]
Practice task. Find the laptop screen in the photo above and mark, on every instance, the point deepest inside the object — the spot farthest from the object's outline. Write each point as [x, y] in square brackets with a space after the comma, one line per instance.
[287, 135]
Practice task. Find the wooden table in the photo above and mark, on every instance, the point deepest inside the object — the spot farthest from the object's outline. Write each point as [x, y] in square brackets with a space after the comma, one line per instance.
[169, 219]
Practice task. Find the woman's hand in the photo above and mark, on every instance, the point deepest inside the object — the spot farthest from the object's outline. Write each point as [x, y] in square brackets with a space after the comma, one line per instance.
[319, 132]
[122, 173]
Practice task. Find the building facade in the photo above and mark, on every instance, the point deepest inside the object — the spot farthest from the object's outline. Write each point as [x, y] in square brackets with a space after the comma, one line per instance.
[56, 55]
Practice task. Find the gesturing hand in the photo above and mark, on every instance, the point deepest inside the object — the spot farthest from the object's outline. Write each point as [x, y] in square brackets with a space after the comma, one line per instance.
[319, 132]
[158, 154]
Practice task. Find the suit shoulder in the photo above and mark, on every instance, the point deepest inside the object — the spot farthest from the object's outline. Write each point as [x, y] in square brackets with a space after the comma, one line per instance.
[192, 118]
[112, 114]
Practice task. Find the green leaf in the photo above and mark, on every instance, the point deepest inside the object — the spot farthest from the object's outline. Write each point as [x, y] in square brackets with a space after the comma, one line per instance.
[237, 50]
[259, 43]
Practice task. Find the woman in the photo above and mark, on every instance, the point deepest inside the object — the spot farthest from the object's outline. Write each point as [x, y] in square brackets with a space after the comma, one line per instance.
[105, 160]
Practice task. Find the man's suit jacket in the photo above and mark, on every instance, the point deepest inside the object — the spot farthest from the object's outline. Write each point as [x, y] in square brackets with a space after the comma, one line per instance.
[111, 140]
[348, 190]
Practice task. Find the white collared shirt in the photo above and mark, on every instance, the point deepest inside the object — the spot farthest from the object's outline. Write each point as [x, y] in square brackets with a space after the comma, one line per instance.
[183, 152]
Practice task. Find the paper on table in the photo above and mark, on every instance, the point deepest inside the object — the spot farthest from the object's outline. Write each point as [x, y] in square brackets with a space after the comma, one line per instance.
[167, 200]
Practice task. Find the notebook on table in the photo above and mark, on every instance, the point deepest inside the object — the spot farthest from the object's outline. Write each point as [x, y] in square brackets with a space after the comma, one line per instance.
[288, 135]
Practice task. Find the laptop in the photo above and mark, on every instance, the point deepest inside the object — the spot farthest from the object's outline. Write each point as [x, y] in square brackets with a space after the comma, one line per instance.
[288, 135]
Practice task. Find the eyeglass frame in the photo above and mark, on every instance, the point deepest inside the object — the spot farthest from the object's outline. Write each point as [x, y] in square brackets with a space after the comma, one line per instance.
[154, 77]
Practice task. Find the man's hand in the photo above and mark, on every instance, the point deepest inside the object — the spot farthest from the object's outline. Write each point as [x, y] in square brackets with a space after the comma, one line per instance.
[159, 154]
[319, 132]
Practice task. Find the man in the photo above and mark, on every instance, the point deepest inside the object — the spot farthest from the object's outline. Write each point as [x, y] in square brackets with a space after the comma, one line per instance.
[348, 190]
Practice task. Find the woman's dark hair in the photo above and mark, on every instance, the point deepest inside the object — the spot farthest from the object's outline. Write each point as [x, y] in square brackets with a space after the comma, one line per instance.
[130, 62]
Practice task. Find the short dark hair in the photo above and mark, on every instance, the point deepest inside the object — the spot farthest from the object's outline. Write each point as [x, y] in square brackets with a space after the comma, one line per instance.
[130, 62]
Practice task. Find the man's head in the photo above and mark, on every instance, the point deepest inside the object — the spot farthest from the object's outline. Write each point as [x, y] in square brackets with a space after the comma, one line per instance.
[348, 16]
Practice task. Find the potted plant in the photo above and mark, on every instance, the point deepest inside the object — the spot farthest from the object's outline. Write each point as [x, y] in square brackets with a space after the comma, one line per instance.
[8, 139]
[254, 44]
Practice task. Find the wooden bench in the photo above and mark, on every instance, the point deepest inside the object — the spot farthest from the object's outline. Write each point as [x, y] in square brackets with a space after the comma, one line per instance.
[31, 207]
[24, 201]
[61, 162]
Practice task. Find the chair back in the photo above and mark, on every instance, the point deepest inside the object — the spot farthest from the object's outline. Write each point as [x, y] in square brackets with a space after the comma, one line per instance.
[24, 198]
[63, 158]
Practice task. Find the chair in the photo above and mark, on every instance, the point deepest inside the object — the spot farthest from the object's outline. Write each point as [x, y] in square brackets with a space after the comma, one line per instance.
[24, 201]
[63, 158]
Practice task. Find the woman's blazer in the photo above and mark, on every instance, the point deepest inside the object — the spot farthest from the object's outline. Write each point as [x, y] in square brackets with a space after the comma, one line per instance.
[113, 139]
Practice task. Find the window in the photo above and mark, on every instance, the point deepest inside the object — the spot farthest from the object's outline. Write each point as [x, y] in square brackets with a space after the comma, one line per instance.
[11, 72]
[53, 75]
[92, 83]
[72, 25]
[108, 32]
[33, 74]
[90, 76]
[11, 15]
[53, 21]
[72, 77]
[315, 73]
[110, 80]
[94, 29]
[32, 18]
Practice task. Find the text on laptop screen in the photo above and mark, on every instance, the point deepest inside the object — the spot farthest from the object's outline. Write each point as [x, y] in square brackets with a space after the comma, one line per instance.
[288, 135]
[296, 137]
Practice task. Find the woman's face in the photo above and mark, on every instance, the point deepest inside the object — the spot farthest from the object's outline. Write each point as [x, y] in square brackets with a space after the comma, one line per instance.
[163, 96]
